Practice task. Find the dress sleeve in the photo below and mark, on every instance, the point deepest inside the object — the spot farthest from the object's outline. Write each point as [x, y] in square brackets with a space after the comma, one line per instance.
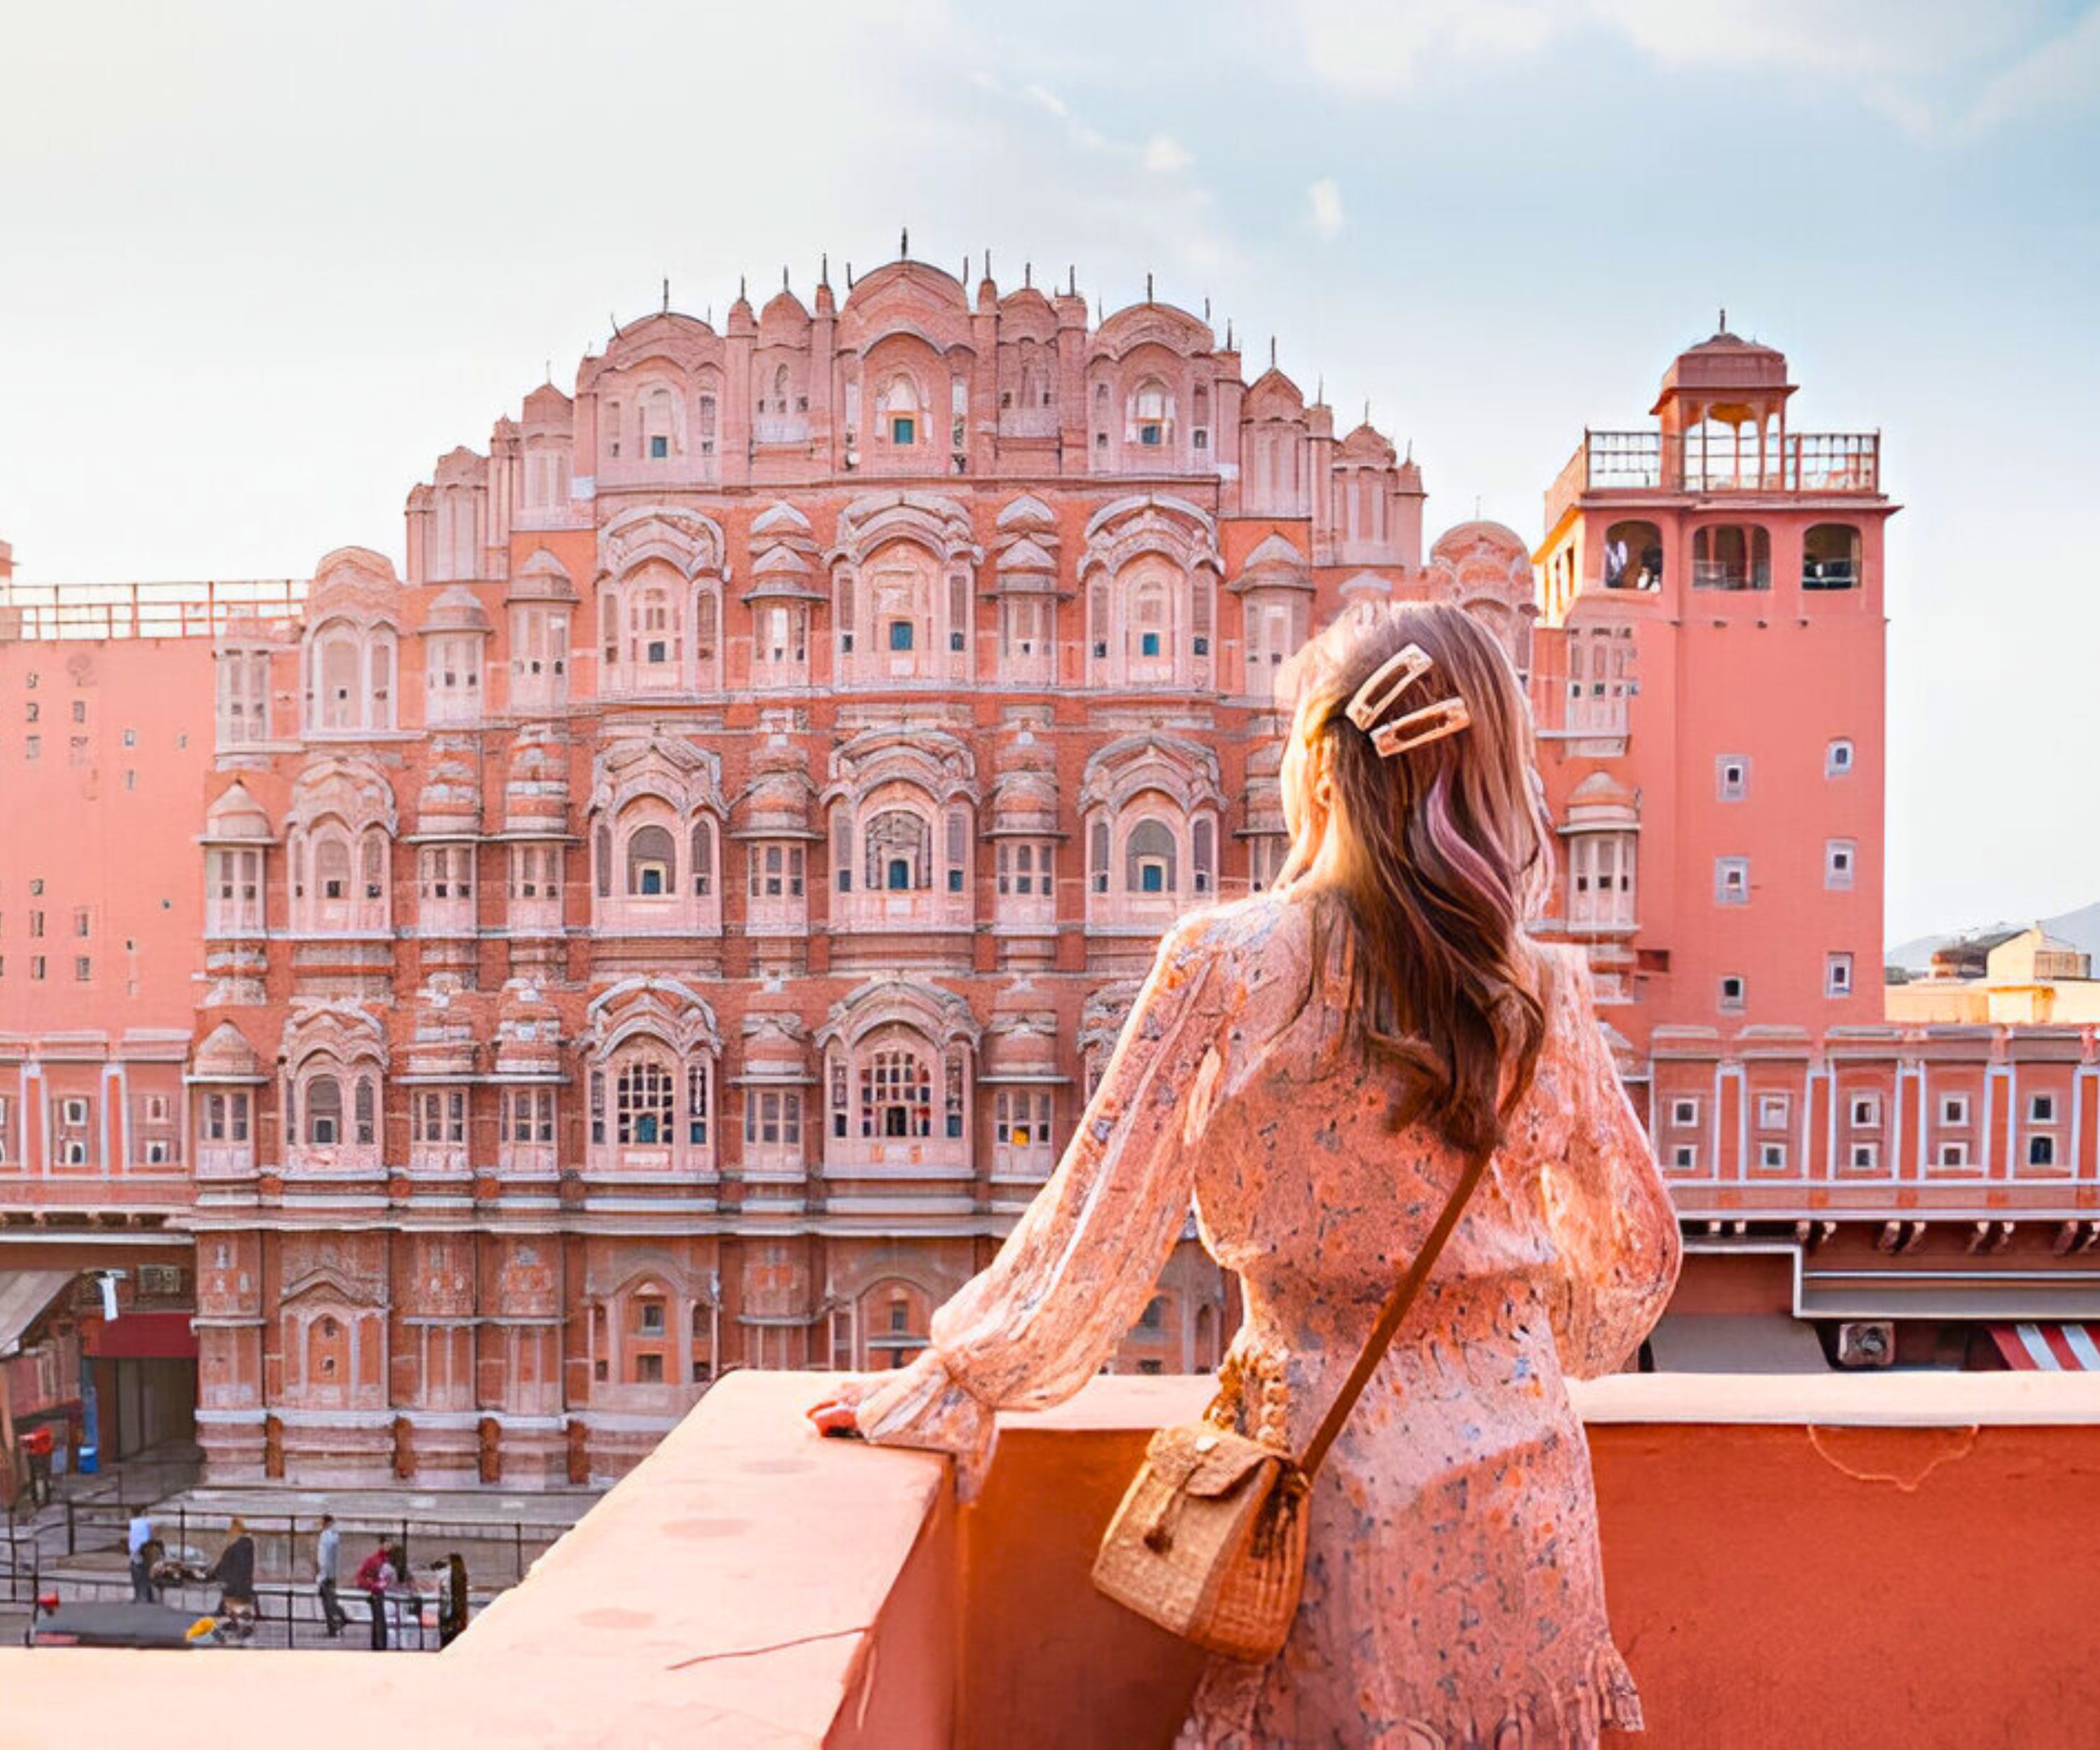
[1613, 1226]
[1039, 1321]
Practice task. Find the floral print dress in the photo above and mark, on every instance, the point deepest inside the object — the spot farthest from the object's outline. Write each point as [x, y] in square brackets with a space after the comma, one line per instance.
[1454, 1593]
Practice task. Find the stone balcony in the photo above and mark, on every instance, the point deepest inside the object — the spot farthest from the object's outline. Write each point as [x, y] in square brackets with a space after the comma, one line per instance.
[1860, 1561]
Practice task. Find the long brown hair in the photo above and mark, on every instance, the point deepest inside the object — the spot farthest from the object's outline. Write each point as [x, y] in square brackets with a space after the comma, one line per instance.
[1439, 852]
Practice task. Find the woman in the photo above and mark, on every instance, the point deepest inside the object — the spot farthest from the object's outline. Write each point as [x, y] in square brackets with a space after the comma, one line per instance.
[1316, 1066]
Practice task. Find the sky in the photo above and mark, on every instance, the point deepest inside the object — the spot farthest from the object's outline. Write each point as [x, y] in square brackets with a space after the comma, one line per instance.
[261, 264]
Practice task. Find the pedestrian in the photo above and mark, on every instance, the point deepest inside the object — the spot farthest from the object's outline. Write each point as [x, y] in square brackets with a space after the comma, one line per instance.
[139, 1539]
[235, 1571]
[37, 1444]
[328, 1559]
[375, 1578]
[452, 1618]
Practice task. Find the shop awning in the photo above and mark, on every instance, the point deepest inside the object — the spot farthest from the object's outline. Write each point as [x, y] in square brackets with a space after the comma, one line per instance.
[2048, 1348]
[143, 1336]
[23, 1296]
[1736, 1342]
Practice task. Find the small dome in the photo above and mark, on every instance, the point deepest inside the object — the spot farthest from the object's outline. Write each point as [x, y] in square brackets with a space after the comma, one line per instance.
[457, 609]
[236, 817]
[541, 578]
[225, 1055]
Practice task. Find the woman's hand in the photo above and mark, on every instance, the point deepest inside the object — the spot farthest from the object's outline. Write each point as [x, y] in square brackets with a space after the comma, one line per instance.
[835, 1414]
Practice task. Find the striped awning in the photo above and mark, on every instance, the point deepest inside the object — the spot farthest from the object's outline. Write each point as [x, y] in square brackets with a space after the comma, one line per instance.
[2048, 1348]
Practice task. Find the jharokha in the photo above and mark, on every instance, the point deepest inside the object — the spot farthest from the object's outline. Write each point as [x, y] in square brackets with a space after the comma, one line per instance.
[677, 925]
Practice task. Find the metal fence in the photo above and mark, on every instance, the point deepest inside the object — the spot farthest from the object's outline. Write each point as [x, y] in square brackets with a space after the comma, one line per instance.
[40, 1549]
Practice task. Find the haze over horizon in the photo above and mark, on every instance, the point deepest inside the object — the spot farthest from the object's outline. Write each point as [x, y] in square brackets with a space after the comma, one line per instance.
[265, 265]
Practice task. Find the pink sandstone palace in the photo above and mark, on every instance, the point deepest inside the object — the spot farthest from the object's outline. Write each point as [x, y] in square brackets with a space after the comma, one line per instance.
[676, 926]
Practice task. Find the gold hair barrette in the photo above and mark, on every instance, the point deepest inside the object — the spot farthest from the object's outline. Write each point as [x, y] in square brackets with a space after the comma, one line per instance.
[1382, 691]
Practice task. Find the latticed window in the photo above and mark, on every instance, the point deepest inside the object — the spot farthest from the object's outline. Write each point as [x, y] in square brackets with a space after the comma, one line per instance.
[958, 848]
[651, 862]
[696, 1106]
[222, 1118]
[772, 1117]
[1098, 856]
[1021, 1119]
[895, 1095]
[439, 1115]
[776, 871]
[1024, 867]
[1149, 858]
[323, 1111]
[643, 1095]
[704, 857]
[898, 854]
[364, 1111]
[528, 1114]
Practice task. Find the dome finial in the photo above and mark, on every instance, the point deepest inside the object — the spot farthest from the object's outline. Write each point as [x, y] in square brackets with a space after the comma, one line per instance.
[904, 243]
[667, 296]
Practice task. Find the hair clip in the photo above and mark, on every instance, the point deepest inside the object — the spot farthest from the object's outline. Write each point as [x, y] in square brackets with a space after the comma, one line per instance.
[1417, 729]
[1374, 698]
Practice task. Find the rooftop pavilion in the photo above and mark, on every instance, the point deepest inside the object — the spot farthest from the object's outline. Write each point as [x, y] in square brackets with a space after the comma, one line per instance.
[1903, 1559]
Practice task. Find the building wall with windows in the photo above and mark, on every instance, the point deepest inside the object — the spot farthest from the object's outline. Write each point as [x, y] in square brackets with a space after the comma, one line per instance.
[678, 924]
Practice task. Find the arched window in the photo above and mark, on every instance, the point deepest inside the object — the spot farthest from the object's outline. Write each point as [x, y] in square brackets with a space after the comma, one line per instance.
[651, 863]
[896, 1094]
[1202, 853]
[780, 389]
[659, 426]
[602, 845]
[1830, 557]
[1731, 556]
[704, 857]
[642, 1103]
[899, 855]
[379, 706]
[1149, 648]
[1151, 415]
[1150, 858]
[707, 612]
[652, 623]
[898, 411]
[1633, 556]
[331, 866]
[339, 664]
[323, 1111]
[1098, 856]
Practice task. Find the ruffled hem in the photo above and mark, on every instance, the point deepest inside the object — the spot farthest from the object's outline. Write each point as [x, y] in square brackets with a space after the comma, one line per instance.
[1606, 1700]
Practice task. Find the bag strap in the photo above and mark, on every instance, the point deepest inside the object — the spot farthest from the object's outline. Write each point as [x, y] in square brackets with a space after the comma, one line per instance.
[1418, 1272]
[1395, 1310]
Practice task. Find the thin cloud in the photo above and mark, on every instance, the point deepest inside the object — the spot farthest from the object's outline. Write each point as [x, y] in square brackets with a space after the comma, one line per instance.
[1328, 218]
[1926, 64]
[1167, 156]
[2063, 72]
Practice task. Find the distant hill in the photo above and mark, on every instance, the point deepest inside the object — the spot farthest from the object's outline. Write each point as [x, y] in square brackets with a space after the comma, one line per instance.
[2080, 928]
